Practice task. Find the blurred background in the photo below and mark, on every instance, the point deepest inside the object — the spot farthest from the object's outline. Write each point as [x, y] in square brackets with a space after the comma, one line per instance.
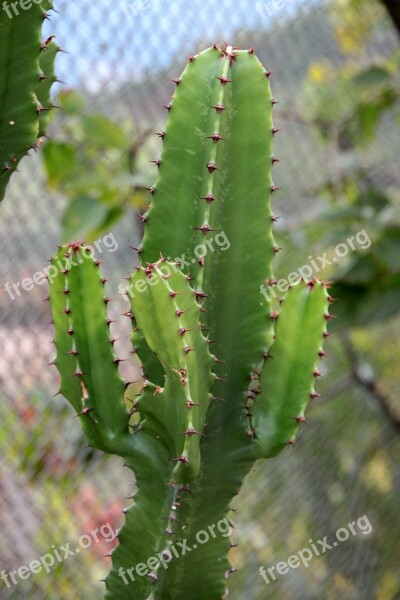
[335, 73]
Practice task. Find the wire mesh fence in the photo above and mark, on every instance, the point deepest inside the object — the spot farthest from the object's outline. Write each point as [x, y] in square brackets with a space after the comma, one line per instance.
[122, 58]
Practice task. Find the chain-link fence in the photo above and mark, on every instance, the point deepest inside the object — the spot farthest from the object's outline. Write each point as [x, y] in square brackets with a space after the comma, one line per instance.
[122, 58]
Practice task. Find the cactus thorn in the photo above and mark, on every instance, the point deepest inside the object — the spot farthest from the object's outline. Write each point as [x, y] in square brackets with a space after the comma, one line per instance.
[215, 137]
[224, 80]
[208, 198]
[191, 431]
[184, 330]
[300, 419]
[205, 228]
[181, 459]
[200, 294]
[190, 404]
[211, 166]
[219, 108]
[85, 412]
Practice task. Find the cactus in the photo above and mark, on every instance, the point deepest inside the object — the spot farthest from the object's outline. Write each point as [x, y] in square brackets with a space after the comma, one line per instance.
[26, 67]
[227, 376]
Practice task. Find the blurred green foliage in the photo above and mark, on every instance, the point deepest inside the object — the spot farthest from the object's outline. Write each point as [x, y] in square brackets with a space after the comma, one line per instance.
[345, 105]
[92, 161]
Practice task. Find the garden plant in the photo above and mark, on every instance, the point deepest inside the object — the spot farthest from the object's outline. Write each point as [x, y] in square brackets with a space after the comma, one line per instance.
[227, 375]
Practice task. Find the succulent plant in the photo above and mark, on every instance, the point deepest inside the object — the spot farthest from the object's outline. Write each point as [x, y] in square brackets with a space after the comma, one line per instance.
[26, 67]
[226, 374]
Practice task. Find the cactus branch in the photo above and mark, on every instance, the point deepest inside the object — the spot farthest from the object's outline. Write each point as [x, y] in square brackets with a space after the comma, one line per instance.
[26, 75]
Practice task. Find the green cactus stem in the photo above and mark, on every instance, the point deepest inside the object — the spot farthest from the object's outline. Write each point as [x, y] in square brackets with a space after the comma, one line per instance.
[26, 76]
[227, 376]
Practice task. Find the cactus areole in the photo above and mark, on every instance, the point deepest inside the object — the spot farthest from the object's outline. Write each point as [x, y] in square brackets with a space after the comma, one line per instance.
[212, 401]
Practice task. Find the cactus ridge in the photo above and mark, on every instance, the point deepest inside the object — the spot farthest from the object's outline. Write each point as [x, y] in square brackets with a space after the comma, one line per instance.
[26, 77]
[213, 399]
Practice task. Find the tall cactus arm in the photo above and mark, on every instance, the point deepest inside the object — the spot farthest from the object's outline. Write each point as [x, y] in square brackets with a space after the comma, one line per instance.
[78, 301]
[182, 169]
[90, 381]
[214, 175]
[168, 316]
[21, 80]
[171, 421]
[287, 380]
[238, 320]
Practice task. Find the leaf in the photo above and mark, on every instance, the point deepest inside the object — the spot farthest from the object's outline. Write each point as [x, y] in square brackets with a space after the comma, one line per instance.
[60, 162]
[372, 76]
[139, 199]
[361, 306]
[103, 132]
[81, 216]
[111, 216]
[71, 102]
